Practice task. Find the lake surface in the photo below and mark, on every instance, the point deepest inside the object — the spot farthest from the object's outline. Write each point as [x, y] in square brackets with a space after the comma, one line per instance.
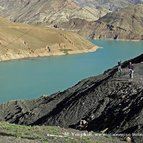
[28, 79]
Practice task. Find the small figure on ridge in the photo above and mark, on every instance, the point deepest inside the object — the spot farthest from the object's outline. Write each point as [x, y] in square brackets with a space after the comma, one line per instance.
[119, 67]
[131, 70]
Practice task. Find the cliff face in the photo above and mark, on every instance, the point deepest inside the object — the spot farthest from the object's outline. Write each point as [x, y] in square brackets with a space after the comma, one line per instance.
[109, 102]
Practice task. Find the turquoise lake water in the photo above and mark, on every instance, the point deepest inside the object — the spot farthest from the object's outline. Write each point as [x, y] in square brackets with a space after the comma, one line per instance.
[28, 79]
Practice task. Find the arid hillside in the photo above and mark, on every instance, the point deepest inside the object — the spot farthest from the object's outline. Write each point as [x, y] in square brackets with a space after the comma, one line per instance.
[126, 23]
[47, 12]
[112, 5]
[23, 41]
[118, 19]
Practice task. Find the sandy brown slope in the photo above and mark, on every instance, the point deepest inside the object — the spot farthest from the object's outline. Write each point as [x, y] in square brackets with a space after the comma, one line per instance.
[21, 41]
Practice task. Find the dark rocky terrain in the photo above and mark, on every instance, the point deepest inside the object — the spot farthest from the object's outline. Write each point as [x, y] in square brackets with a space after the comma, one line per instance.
[110, 102]
[126, 23]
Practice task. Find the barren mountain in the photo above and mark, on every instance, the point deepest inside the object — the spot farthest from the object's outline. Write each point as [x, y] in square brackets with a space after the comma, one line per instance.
[47, 12]
[22, 41]
[108, 4]
[109, 103]
[98, 19]
[126, 23]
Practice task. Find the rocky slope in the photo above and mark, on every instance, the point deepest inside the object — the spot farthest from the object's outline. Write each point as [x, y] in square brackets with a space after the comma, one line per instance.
[126, 23]
[53, 11]
[114, 19]
[23, 41]
[47, 12]
[108, 4]
[109, 102]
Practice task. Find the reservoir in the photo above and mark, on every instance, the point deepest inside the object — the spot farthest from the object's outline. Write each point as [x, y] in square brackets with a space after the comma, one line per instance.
[32, 78]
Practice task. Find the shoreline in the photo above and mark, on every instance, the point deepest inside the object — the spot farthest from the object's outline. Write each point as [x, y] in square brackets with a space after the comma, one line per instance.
[14, 56]
[118, 40]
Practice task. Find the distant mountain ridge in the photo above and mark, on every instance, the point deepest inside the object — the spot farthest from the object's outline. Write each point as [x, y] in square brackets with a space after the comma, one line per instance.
[54, 11]
[89, 18]
[48, 12]
[108, 4]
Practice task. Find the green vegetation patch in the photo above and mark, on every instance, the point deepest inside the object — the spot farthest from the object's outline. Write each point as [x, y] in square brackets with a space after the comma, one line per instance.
[50, 134]
[65, 51]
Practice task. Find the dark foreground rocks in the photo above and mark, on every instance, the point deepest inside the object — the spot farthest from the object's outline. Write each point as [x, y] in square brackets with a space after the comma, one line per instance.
[109, 103]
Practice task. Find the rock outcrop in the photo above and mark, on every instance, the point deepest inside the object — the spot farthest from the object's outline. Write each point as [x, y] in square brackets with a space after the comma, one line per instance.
[109, 103]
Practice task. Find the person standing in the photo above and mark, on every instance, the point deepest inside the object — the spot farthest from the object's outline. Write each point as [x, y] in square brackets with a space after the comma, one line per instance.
[131, 70]
[119, 67]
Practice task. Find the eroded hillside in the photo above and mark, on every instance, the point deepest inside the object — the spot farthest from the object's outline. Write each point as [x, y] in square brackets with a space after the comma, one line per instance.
[108, 4]
[47, 12]
[126, 24]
